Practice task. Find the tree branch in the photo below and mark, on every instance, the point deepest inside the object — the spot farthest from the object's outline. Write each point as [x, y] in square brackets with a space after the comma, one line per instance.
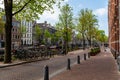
[21, 8]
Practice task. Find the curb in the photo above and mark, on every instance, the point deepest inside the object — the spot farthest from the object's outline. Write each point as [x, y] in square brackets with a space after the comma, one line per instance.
[20, 63]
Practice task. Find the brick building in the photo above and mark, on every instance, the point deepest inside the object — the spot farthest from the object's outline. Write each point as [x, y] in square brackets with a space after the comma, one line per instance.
[43, 26]
[114, 26]
[15, 36]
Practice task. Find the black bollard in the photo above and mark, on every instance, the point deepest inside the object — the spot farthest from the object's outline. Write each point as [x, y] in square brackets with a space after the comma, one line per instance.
[84, 56]
[46, 74]
[68, 65]
[78, 59]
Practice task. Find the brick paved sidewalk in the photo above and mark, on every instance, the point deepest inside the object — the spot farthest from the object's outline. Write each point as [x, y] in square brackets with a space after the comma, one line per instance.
[100, 67]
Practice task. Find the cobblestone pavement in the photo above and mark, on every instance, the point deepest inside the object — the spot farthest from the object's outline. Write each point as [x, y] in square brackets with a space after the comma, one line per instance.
[35, 70]
[100, 67]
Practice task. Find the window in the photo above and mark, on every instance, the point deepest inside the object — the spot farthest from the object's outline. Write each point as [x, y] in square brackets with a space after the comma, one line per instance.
[13, 29]
[18, 37]
[15, 36]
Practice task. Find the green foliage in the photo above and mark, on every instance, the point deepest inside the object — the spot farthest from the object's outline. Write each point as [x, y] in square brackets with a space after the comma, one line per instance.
[87, 21]
[94, 51]
[31, 9]
[38, 31]
[91, 27]
[100, 36]
[60, 33]
[1, 26]
[79, 36]
[60, 30]
[47, 34]
[66, 16]
[69, 34]
[65, 24]
[87, 27]
[105, 38]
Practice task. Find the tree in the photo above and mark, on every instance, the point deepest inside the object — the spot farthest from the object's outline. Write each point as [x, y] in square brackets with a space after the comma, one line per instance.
[66, 23]
[101, 36]
[91, 22]
[23, 9]
[47, 35]
[82, 26]
[86, 24]
[57, 37]
[38, 32]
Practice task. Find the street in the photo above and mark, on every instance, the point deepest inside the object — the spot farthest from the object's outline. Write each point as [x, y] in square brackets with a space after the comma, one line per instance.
[35, 70]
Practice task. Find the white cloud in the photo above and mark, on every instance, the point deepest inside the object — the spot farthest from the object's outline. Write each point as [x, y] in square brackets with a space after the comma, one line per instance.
[49, 16]
[101, 11]
[101, 14]
[1, 4]
[66, 0]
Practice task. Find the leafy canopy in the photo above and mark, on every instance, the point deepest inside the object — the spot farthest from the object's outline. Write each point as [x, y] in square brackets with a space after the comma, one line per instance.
[38, 31]
[87, 22]
[65, 24]
[31, 9]
[47, 34]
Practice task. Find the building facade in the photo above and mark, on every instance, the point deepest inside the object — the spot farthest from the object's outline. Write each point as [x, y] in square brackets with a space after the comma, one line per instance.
[114, 26]
[43, 26]
[27, 36]
[15, 35]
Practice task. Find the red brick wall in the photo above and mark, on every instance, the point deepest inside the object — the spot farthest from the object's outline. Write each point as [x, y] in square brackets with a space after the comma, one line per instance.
[113, 22]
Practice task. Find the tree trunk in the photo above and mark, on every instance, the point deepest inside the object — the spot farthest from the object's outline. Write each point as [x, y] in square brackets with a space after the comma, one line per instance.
[90, 42]
[66, 43]
[83, 41]
[8, 27]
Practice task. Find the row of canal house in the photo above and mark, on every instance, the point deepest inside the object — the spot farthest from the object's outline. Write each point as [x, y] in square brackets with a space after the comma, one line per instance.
[27, 38]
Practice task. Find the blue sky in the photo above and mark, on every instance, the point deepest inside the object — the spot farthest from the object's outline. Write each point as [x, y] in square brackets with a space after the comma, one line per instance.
[99, 8]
